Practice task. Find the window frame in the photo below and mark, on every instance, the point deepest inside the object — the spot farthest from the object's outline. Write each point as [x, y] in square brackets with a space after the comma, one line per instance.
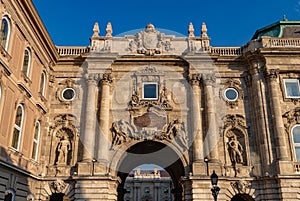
[19, 128]
[7, 19]
[231, 88]
[143, 90]
[295, 144]
[36, 141]
[68, 88]
[28, 67]
[43, 83]
[285, 89]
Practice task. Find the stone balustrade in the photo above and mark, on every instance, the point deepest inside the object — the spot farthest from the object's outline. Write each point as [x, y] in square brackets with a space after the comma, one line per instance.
[226, 51]
[72, 50]
[283, 42]
[265, 42]
[297, 167]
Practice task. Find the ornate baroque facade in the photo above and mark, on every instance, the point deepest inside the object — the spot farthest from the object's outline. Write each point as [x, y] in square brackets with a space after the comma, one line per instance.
[76, 120]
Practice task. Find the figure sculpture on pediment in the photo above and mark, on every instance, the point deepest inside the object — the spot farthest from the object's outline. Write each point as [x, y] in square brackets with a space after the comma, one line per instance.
[178, 131]
[163, 98]
[235, 150]
[134, 100]
[121, 132]
[174, 130]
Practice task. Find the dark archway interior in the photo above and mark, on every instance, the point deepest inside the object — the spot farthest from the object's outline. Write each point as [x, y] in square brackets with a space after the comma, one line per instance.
[242, 197]
[151, 152]
[57, 197]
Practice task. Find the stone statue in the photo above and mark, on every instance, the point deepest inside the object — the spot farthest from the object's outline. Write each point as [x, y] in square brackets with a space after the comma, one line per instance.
[117, 135]
[63, 148]
[235, 150]
[134, 101]
[163, 99]
[121, 131]
[178, 131]
[174, 130]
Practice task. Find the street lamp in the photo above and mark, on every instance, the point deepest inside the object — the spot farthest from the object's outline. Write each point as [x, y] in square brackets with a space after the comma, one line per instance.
[214, 182]
[93, 167]
[206, 161]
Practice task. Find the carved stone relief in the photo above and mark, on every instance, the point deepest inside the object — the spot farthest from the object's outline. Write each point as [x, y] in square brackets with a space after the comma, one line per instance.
[291, 118]
[235, 85]
[150, 42]
[58, 186]
[68, 83]
[173, 131]
[241, 186]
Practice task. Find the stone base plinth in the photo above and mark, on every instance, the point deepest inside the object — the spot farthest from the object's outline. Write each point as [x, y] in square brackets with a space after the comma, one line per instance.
[199, 168]
[285, 167]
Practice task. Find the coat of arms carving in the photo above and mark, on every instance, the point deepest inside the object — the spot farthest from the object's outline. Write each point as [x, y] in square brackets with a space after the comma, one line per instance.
[149, 42]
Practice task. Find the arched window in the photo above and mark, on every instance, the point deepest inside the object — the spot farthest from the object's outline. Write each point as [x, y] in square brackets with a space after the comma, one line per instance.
[5, 32]
[18, 127]
[43, 83]
[296, 141]
[26, 62]
[36, 141]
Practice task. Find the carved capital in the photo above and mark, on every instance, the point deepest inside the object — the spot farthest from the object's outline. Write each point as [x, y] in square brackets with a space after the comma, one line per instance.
[106, 78]
[272, 74]
[194, 79]
[209, 79]
[92, 79]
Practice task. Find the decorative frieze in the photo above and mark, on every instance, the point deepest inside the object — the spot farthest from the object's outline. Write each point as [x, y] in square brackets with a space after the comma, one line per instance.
[174, 131]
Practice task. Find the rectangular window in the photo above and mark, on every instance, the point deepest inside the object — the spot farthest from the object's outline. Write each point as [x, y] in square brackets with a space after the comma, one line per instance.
[292, 88]
[150, 91]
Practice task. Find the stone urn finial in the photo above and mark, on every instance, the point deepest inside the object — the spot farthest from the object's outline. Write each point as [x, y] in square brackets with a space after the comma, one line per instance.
[191, 30]
[109, 30]
[96, 30]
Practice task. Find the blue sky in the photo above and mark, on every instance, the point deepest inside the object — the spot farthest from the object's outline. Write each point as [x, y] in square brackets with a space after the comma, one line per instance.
[229, 23]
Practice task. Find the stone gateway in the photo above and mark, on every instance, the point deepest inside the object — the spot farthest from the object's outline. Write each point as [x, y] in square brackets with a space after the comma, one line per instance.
[75, 122]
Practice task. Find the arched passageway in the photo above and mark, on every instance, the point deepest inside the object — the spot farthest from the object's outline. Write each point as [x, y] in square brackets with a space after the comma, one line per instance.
[152, 152]
[242, 197]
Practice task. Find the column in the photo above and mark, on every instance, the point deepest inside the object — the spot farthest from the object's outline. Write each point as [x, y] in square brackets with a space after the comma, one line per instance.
[89, 134]
[196, 118]
[260, 119]
[212, 135]
[278, 127]
[104, 139]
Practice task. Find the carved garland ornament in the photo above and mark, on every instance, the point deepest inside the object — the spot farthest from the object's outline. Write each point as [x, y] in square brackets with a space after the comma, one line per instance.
[291, 118]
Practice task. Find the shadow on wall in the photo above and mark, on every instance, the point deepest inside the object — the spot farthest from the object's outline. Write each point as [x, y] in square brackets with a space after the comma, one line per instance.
[14, 185]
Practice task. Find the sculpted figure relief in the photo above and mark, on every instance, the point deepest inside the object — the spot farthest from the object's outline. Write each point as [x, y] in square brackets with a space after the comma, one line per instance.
[174, 130]
[121, 131]
[235, 150]
[63, 148]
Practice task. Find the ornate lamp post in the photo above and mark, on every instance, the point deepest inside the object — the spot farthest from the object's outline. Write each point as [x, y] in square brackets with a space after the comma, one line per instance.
[214, 182]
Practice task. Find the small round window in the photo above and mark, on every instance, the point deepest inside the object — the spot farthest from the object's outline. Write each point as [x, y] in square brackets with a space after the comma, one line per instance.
[231, 94]
[68, 94]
